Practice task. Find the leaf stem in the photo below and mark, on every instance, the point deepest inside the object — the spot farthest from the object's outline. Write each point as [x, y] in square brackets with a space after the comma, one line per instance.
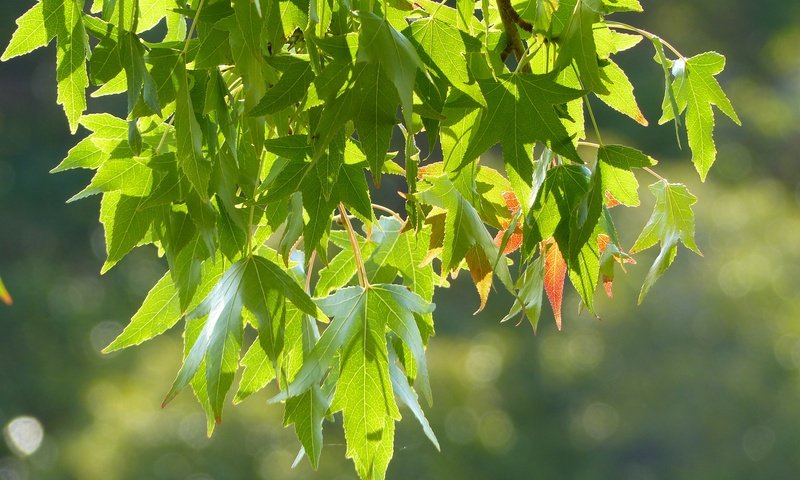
[528, 56]
[653, 173]
[387, 210]
[310, 269]
[594, 122]
[361, 270]
[644, 33]
[192, 28]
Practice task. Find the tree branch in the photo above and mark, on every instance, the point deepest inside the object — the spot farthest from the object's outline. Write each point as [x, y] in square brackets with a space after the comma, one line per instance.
[511, 19]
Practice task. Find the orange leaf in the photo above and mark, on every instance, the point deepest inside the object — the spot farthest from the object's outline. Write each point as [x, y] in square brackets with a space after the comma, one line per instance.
[602, 242]
[611, 201]
[555, 272]
[514, 241]
[480, 267]
[512, 203]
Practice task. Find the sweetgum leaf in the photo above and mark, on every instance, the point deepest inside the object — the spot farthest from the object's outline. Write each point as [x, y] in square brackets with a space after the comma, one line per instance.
[258, 371]
[672, 221]
[555, 273]
[616, 163]
[247, 283]
[70, 58]
[520, 110]
[530, 285]
[380, 44]
[463, 228]
[578, 46]
[290, 88]
[407, 396]
[32, 31]
[696, 90]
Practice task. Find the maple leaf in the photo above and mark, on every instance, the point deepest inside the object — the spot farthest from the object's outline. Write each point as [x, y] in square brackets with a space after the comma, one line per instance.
[616, 163]
[508, 239]
[578, 45]
[609, 255]
[696, 90]
[520, 111]
[672, 220]
[464, 233]
[555, 273]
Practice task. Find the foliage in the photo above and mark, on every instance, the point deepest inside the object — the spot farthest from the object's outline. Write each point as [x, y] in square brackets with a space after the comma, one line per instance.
[255, 128]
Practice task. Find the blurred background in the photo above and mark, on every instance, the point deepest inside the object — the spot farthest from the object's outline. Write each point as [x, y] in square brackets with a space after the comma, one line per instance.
[700, 382]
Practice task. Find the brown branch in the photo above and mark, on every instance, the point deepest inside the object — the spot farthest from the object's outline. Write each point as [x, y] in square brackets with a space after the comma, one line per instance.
[511, 19]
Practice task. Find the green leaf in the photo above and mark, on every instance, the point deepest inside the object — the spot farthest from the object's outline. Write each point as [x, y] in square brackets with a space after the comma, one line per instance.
[407, 396]
[584, 269]
[520, 111]
[258, 371]
[130, 176]
[161, 309]
[364, 394]
[400, 304]
[622, 6]
[126, 222]
[444, 47]
[370, 100]
[83, 155]
[531, 286]
[151, 12]
[306, 412]
[408, 256]
[290, 88]
[190, 139]
[696, 90]
[380, 44]
[5, 297]
[250, 22]
[556, 206]
[615, 162]
[672, 220]
[346, 306]
[620, 93]
[219, 341]
[464, 229]
[32, 31]
[266, 284]
[71, 73]
[578, 46]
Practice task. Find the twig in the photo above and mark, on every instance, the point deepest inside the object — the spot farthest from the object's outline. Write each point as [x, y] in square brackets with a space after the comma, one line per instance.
[509, 16]
[361, 270]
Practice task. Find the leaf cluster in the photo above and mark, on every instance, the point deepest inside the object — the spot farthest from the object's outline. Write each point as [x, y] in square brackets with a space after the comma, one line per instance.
[257, 132]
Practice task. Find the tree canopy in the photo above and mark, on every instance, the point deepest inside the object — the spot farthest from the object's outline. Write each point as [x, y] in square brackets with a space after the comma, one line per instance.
[258, 132]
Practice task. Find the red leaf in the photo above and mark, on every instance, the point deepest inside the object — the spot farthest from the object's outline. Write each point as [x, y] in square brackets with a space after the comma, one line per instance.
[515, 240]
[555, 272]
[512, 203]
